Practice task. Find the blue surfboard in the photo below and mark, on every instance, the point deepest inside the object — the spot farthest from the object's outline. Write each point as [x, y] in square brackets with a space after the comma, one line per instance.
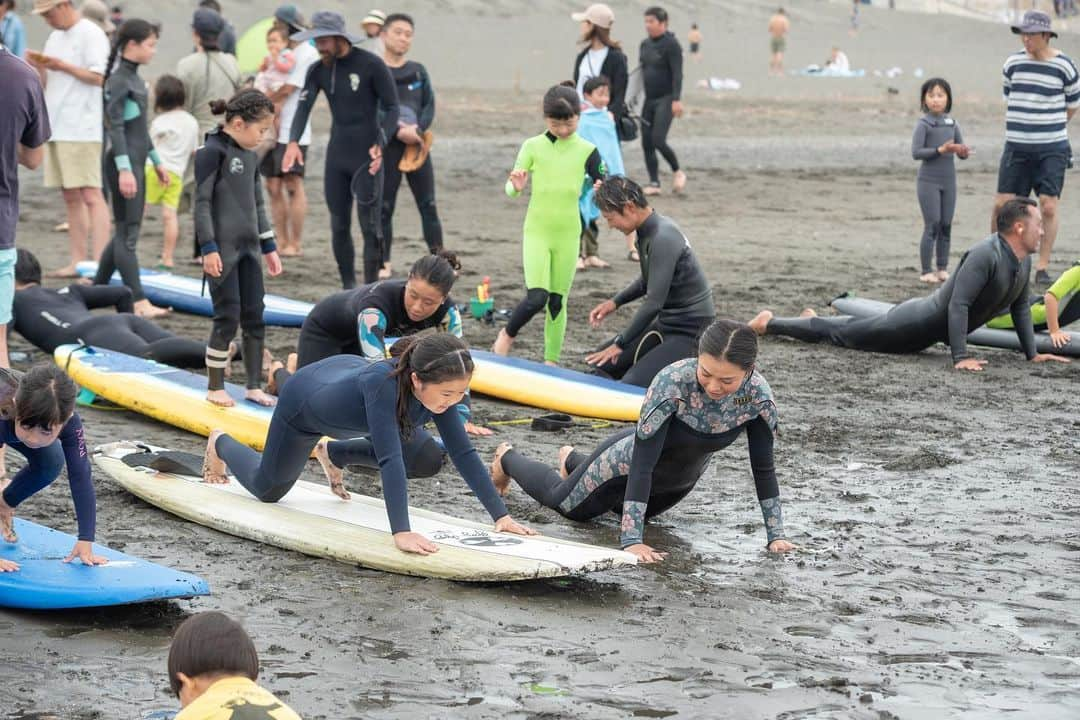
[185, 294]
[45, 582]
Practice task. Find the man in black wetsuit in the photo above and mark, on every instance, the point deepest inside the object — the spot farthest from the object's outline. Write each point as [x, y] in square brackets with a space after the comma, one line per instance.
[678, 302]
[50, 318]
[364, 109]
[991, 276]
[661, 65]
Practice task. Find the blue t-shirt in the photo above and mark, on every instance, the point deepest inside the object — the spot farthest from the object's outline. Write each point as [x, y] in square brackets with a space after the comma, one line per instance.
[23, 119]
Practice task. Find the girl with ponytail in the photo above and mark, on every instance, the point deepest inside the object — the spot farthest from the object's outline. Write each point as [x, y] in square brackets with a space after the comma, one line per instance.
[383, 406]
[127, 133]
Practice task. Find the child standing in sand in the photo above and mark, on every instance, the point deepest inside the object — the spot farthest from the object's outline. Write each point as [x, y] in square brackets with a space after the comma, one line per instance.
[558, 161]
[213, 666]
[175, 134]
[232, 229]
[936, 140]
[598, 127]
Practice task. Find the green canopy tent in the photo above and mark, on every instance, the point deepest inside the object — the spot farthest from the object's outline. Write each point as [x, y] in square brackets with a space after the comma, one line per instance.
[251, 47]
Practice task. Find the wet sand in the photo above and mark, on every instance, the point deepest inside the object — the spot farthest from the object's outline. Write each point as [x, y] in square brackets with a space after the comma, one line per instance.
[936, 510]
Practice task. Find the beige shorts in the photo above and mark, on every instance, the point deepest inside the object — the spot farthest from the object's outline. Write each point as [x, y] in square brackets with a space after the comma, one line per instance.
[71, 165]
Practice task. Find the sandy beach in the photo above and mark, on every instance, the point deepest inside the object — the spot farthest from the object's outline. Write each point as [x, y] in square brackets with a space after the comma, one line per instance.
[936, 511]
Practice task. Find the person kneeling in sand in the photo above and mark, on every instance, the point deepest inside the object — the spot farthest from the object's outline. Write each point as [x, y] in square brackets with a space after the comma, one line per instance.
[694, 408]
[213, 666]
[992, 275]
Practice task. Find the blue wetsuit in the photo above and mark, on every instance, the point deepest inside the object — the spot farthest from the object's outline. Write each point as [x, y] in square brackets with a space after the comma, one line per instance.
[43, 465]
[347, 396]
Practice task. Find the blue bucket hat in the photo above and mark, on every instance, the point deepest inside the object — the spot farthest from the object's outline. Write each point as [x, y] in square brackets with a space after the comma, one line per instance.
[1034, 22]
[326, 24]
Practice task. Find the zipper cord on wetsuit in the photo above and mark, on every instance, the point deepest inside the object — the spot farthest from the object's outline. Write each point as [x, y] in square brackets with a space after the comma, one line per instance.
[333, 76]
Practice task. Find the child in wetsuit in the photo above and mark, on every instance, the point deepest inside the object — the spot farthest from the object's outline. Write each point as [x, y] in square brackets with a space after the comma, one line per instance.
[129, 147]
[936, 140]
[232, 229]
[213, 666]
[558, 160]
[598, 127]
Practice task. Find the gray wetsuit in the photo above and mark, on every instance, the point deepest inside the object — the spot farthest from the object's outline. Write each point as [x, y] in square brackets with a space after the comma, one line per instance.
[935, 185]
[988, 280]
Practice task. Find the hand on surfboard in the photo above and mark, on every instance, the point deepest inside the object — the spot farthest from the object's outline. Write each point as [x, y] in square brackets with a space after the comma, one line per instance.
[84, 550]
[646, 554]
[8, 566]
[507, 524]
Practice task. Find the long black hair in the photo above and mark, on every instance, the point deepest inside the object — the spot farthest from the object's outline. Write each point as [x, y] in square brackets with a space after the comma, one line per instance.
[133, 30]
[435, 358]
[438, 270]
[46, 397]
[731, 341]
[249, 104]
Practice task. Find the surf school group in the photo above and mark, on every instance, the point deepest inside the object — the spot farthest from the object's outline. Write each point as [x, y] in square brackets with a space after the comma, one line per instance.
[392, 347]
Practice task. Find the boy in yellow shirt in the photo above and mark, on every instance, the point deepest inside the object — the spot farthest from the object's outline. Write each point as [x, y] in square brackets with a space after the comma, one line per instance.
[212, 669]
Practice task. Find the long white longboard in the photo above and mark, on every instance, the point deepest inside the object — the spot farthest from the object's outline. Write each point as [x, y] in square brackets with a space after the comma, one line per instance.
[312, 520]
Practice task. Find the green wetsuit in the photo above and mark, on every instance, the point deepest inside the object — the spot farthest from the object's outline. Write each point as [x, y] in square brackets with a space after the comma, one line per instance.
[552, 229]
[1066, 289]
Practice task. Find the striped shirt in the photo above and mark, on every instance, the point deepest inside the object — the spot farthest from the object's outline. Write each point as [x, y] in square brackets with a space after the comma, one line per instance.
[1038, 93]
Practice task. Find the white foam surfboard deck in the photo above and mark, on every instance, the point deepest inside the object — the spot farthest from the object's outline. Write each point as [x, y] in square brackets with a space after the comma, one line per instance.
[312, 520]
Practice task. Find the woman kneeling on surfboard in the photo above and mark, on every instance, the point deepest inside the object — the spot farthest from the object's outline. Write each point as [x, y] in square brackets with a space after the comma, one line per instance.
[38, 420]
[347, 396]
[693, 408]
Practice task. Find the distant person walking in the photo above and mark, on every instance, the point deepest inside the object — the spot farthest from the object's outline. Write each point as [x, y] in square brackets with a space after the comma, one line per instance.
[662, 67]
[12, 31]
[373, 24]
[288, 200]
[1042, 89]
[603, 55]
[693, 39]
[778, 30]
[24, 128]
[72, 67]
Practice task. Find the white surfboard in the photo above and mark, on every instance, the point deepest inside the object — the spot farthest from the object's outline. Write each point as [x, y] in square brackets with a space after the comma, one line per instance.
[312, 520]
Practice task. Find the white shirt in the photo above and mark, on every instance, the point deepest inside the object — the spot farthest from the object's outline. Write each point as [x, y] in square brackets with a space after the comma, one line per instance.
[306, 55]
[175, 135]
[590, 67]
[840, 63]
[74, 106]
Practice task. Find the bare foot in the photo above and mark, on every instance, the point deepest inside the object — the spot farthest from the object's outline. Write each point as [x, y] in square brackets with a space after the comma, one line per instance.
[257, 396]
[333, 473]
[498, 475]
[213, 468]
[386, 271]
[271, 383]
[808, 313]
[503, 343]
[761, 321]
[929, 278]
[551, 363]
[652, 190]
[564, 452]
[267, 359]
[595, 262]
[68, 271]
[581, 263]
[144, 309]
[678, 181]
[234, 350]
[292, 361]
[220, 398]
[7, 516]
[942, 275]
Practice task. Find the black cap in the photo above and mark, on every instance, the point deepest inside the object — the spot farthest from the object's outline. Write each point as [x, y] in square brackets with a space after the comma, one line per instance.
[207, 23]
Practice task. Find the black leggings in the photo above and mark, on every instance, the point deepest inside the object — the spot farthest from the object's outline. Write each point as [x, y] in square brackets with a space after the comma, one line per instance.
[138, 336]
[422, 183]
[907, 328]
[656, 116]
[649, 353]
[271, 474]
[345, 181]
[316, 344]
[120, 253]
[238, 303]
[544, 484]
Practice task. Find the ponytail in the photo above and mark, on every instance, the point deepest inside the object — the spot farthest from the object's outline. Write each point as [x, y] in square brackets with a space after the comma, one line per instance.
[134, 30]
[433, 358]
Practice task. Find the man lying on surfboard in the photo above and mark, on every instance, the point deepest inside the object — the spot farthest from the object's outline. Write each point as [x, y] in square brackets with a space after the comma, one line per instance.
[38, 420]
[347, 396]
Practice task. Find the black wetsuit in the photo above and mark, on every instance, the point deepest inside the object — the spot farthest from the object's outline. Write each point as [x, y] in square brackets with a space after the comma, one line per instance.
[661, 64]
[50, 318]
[43, 466]
[350, 397]
[988, 279]
[364, 111]
[230, 219]
[641, 472]
[678, 304]
[417, 104]
[129, 145]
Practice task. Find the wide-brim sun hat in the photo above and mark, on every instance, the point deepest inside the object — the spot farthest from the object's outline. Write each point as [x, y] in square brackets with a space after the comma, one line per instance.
[326, 23]
[1035, 21]
[374, 17]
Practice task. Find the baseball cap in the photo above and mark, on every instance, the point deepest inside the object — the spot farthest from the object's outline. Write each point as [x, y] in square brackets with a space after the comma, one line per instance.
[598, 14]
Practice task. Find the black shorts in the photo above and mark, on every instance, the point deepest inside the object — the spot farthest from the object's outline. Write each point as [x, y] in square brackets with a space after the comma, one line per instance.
[1023, 170]
[270, 167]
